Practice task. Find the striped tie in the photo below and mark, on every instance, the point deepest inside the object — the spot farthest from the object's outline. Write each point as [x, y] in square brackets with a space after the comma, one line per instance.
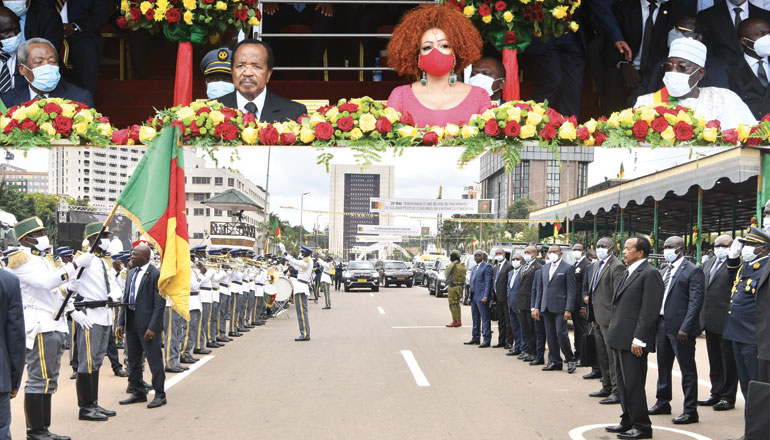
[60, 5]
[5, 73]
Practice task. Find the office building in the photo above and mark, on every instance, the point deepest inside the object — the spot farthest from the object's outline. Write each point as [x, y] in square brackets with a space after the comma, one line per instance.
[27, 181]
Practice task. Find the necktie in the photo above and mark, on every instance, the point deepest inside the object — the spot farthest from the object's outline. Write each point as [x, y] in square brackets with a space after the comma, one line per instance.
[5, 73]
[513, 278]
[761, 74]
[59, 4]
[132, 290]
[714, 269]
[39, 96]
[299, 6]
[596, 277]
[647, 39]
[738, 18]
[667, 278]
[252, 108]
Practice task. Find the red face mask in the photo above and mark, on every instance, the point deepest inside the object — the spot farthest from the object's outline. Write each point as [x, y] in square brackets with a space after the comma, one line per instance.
[437, 63]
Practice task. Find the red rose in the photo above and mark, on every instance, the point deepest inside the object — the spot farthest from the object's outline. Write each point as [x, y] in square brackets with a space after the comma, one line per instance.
[268, 135]
[349, 107]
[207, 2]
[523, 106]
[120, 137]
[248, 118]
[79, 106]
[179, 124]
[150, 14]
[599, 138]
[383, 125]
[583, 134]
[717, 124]
[103, 119]
[133, 133]
[548, 132]
[640, 130]
[257, 13]
[683, 131]
[122, 22]
[288, 138]
[512, 129]
[248, 2]
[484, 10]
[52, 107]
[136, 14]
[346, 123]
[28, 125]
[203, 110]
[430, 138]
[226, 131]
[491, 128]
[765, 118]
[173, 15]
[62, 125]
[752, 141]
[730, 136]
[324, 131]
[229, 113]
[500, 6]
[303, 117]
[554, 117]
[13, 124]
[659, 124]
[323, 109]
[194, 129]
[407, 119]
[510, 38]
[241, 13]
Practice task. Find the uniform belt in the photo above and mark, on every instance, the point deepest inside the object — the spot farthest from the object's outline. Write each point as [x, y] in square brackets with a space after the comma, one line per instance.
[194, 293]
[237, 282]
[205, 288]
[303, 281]
[224, 285]
[260, 284]
[455, 284]
[327, 273]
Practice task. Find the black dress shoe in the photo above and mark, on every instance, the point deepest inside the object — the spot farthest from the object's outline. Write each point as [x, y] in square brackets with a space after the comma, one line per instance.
[616, 428]
[529, 358]
[571, 367]
[686, 419]
[188, 360]
[134, 399]
[593, 375]
[514, 352]
[325, 308]
[221, 341]
[74, 375]
[484, 345]
[213, 345]
[92, 414]
[499, 345]
[614, 399]
[120, 372]
[511, 353]
[234, 334]
[553, 367]
[659, 408]
[157, 401]
[174, 370]
[711, 401]
[243, 330]
[723, 405]
[106, 412]
[537, 362]
[635, 433]
[184, 368]
[472, 342]
[522, 355]
[508, 346]
[302, 338]
[201, 351]
[600, 393]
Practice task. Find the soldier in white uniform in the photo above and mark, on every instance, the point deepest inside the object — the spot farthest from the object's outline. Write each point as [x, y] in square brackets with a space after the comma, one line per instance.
[326, 279]
[304, 267]
[191, 329]
[224, 302]
[205, 318]
[236, 296]
[259, 291]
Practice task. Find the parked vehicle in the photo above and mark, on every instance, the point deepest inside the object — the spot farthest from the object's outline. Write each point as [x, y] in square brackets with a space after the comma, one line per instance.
[439, 282]
[419, 272]
[396, 272]
[361, 274]
[469, 263]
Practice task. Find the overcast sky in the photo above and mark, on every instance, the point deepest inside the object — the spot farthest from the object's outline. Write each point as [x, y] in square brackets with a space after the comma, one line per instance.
[418, 172]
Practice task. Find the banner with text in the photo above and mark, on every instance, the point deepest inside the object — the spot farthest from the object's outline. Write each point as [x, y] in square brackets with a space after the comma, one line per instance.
[389, 230]
[378, 238]
[431, 206]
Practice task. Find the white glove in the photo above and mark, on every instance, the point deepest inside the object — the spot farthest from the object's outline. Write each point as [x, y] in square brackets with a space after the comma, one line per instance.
[282, 247]
[73, 285]
[82, 319]
[735, 249]
[84, 259]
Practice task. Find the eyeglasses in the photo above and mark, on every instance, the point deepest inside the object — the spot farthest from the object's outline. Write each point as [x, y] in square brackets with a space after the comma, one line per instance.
[681, 68]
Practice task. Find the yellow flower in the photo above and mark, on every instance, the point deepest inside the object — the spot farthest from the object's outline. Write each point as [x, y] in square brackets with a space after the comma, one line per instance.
[146, 134]
[573, 26]
[469, 131]
[356, 134]
[469, 11]
[539, 109]
[68, 110]
[47, 129]
[743, 131]
[671, 119]
[452, 130]
[82, 127]
[489, 114]
[185, 113]
[524, 2]
[4, 122]
[222, 6]
[145, 6]
[250, 135]
[253, 21]
[533, 118]
[590, 142]
[162, 5]
[84, 115]
[392, 115]
[188, 17]
[407, 131]
[367, 122]
[668, 134]
[626, 116]
[513, 114]
[567, 131]
[487, 19]
[331, 113]
[700, 120]
[439, 131]
[124, 5]
[315, 118]
[613, 120]
[559, 12]
[306, 135]
[508, 16]
[648, 114]
[20, 114]
[590, 125]
[527, 131]
[710, 134]
[104, 129]
[683, 116]
[190, 4]
[216, 117]
[160, 15]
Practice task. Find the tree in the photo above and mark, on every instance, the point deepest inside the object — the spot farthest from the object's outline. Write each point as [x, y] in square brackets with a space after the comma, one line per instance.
[519, 210]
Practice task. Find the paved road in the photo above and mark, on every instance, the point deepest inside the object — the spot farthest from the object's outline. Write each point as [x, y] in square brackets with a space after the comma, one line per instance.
[352, 381]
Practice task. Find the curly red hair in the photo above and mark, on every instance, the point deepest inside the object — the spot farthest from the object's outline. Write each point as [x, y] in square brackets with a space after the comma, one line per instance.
[463, 37]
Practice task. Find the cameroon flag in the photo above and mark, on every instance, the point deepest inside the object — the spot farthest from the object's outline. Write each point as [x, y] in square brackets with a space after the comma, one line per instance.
[154, 199]
[277, 229]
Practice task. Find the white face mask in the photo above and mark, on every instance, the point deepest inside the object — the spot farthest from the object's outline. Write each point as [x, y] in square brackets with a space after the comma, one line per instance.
[499, 258]
[577, 254]
[720, 252]
[527, 258]
[748, 253]
[762, 46]
[486, 82]
[678, 84]
[42, 243]
[602, 253]
[104, 243]
[553, 257]
[670, 255]
[11, 45]
[516, 264]
[766, 223]
[18, 7]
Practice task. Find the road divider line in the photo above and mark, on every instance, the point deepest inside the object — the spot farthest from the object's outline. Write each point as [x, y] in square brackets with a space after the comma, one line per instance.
[371, 294]
[178, 377]
[425, 326]
[417, 373]
[381, 310]
[577, 433]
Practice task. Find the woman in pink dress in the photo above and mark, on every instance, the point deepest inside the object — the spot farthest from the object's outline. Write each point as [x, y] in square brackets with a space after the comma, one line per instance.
[433, 43]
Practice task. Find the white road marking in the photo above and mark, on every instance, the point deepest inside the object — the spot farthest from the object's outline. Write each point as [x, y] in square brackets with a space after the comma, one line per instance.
[427, 326]
[178, 377]
[417, 373]
[371, 294]
[381, 310]
[577, 433]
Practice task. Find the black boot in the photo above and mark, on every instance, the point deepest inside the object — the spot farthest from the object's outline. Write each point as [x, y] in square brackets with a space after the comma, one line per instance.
[47, 419]
[86, 398]
[33, 411]
[95, 396]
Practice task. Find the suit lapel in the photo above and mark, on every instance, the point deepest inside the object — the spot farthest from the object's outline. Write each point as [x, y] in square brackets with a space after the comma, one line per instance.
[677, 272]
[270, 109]
[627, 282]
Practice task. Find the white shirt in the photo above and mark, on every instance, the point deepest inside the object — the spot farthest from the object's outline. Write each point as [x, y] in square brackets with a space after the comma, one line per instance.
[744, 11]
[195, 283]
[205, 287]
[754, 65]
[673, 268]
[637, 61]
[513, 277]
[141, 271]
[94, 288]
[64, 13]
[631, 270]
[33, 94]
[11, 66]
[259, 101]
[553, 269]
[713, 103]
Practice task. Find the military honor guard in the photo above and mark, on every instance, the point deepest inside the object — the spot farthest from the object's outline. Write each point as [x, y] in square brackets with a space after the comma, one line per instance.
[191, 329]
[205, 318]
[326, 279]
[224, 302]
[259, 290]
[304, 268]
[173, 325]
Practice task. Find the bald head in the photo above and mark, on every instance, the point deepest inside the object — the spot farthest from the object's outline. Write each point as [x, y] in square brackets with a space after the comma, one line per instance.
[605, 242]
[723, 241]
[749, 31]
[140, 255]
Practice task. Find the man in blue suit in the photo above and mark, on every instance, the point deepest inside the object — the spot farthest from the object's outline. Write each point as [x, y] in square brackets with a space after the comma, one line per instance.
[539, 326]
[678, 326]
[12, 349]
[481, 289]
[514, 283]
[555, 299]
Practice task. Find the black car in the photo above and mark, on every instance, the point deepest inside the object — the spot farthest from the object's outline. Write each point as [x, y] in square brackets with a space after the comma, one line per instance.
[397, 272]
[419, 272]
[361, 274]
[438, 284]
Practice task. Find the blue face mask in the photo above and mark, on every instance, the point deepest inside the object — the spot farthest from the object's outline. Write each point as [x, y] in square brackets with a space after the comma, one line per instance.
[47, 77]
[216, 89]
[10, 45]
[18, 7]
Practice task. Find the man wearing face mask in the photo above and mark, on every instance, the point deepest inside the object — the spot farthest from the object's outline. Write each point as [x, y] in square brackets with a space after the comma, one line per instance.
[749, 77]
[38, 63]
[678, 326]
[684, 69]
[579, 320]
[10, 38]
[500, 287]
[489, 74]
[481, 291]
[217, 69]
[514, 284]
[41, 296]
[722, 370]
[721, 22]
[535, 339]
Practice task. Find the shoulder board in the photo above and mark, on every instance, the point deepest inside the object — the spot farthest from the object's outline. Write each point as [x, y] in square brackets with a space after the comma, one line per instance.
[77, 254]
[50, 260]
[123, 274]
[17, 259]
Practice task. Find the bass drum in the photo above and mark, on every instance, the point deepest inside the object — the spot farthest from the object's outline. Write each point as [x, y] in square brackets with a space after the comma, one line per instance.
[281, 288]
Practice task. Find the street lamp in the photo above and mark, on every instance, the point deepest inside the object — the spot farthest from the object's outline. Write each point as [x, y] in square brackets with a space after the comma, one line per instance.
[301, 209]
[315, 230]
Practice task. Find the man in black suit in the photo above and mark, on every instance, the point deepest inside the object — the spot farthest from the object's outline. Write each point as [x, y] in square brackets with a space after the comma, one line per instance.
[83, 21]
[555, 298]
[722, 369]
[749, 78]
[600, 284]
[40, 54]
[535, 347]
[579, 322]
[142, 324]
[721, 23]
[252, 66]
[500, 286]
[635, 309]
[12, 348]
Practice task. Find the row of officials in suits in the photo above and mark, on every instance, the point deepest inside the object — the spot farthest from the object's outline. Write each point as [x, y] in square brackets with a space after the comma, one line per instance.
[627, 308]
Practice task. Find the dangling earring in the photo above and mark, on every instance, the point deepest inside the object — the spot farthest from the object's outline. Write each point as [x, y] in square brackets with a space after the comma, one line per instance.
[424, 80]
[452, 78]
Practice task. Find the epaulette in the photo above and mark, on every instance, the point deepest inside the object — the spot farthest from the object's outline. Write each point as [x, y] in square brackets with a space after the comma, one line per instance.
[123, 274]
[77, 254]
[17, 259]
[50, 260]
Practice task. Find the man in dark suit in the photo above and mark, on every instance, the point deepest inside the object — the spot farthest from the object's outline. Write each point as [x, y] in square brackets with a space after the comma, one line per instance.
[749, 77]
[555, 299]
[513, 286]
[678, 326]
[635, 309]
[83, 21]
[42, 21]
[12, 348]
[721, 23]
[500, 287]
[535, 346]
[722, 369]
[481, 292]
[38, 53]
[600, 284]
[579, 322]
[252, 67]
[142, 324]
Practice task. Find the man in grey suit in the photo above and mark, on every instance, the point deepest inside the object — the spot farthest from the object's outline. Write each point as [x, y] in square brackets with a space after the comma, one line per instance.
[555, 299]
[599, 285]
[12, 348]
[142, 323]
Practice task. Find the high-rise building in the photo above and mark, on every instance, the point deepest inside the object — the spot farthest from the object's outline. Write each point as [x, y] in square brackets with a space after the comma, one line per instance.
[350, 190]
[27, 181]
